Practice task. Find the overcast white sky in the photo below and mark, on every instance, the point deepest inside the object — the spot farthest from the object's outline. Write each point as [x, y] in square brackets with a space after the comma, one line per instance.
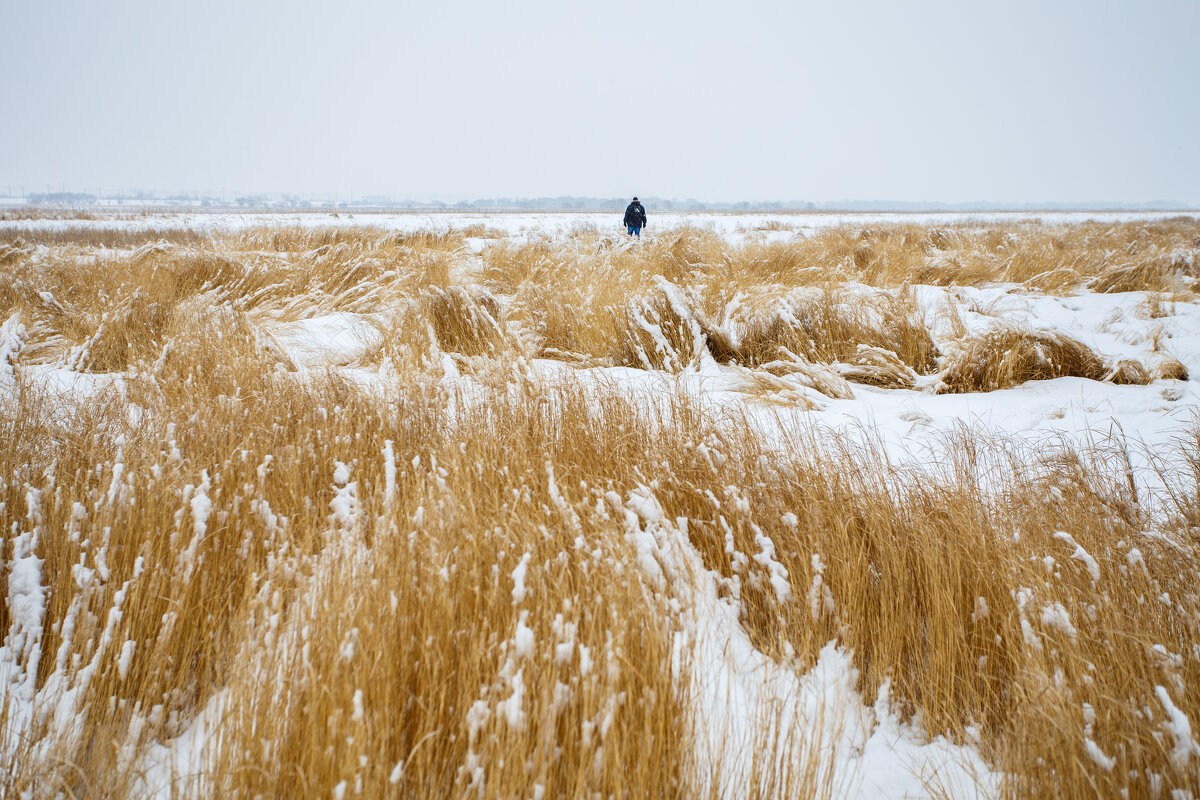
[733, 100]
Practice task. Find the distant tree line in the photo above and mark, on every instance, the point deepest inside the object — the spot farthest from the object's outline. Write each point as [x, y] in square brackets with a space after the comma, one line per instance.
[560, 203]
[61, 198]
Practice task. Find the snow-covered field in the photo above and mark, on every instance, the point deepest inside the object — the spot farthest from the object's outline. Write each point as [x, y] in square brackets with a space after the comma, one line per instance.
[910, 423]
[790, 715]
[734, 225]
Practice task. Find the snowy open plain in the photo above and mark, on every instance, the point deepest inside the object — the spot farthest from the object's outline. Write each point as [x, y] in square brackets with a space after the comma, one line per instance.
[910, 423]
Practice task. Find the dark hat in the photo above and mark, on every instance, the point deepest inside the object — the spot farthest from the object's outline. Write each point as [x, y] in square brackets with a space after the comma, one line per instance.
[635, 197]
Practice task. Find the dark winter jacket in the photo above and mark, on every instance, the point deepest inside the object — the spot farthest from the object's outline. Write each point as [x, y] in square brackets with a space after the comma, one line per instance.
[635, 216]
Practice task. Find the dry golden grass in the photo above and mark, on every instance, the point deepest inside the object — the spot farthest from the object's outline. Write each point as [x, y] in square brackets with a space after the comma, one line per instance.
[102, 236]
[364, 627]
[1131, 256]
[661, 306]
[481, 231]
[1129, 372]
[1007, 356]
[398, 590]
[1142, 256]
[907, 561]
[878, 366]
[390, 628]
[1170, 368]
[584, 299]
[421, 592]
[833, 325]
[105, 311]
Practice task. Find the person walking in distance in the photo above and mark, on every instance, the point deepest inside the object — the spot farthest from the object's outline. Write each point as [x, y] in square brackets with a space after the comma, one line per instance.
[635, 218]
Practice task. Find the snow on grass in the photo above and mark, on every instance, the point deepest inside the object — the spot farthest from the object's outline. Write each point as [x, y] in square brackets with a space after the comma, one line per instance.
[822, 728]
[336, 338]
[1180, 728]
[12, 338]
[1081, 555]
[20, 653]
[816, 718]
[1056, 617]
[520, 591]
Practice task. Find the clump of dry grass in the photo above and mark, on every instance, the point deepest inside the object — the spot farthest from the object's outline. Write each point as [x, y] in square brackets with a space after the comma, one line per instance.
[1129, 372]
[108, 314]
[463, 321]
[1180, 475]
[772, 225]
[213, 350]
[479, 230]
[831, 325]
[1156, 306]
[1133, 277]
[444, 333]
[15, 251]
[788, 388]
[581, 304]
[1170, 368]
[681, 253]
[131, 332]
[878, 367]
[666, 331]
[1008, 356]
[362, 275]
[509, 265]
[819, 377]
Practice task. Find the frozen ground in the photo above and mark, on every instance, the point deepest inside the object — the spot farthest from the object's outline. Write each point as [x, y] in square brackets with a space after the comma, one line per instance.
[870, 752]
